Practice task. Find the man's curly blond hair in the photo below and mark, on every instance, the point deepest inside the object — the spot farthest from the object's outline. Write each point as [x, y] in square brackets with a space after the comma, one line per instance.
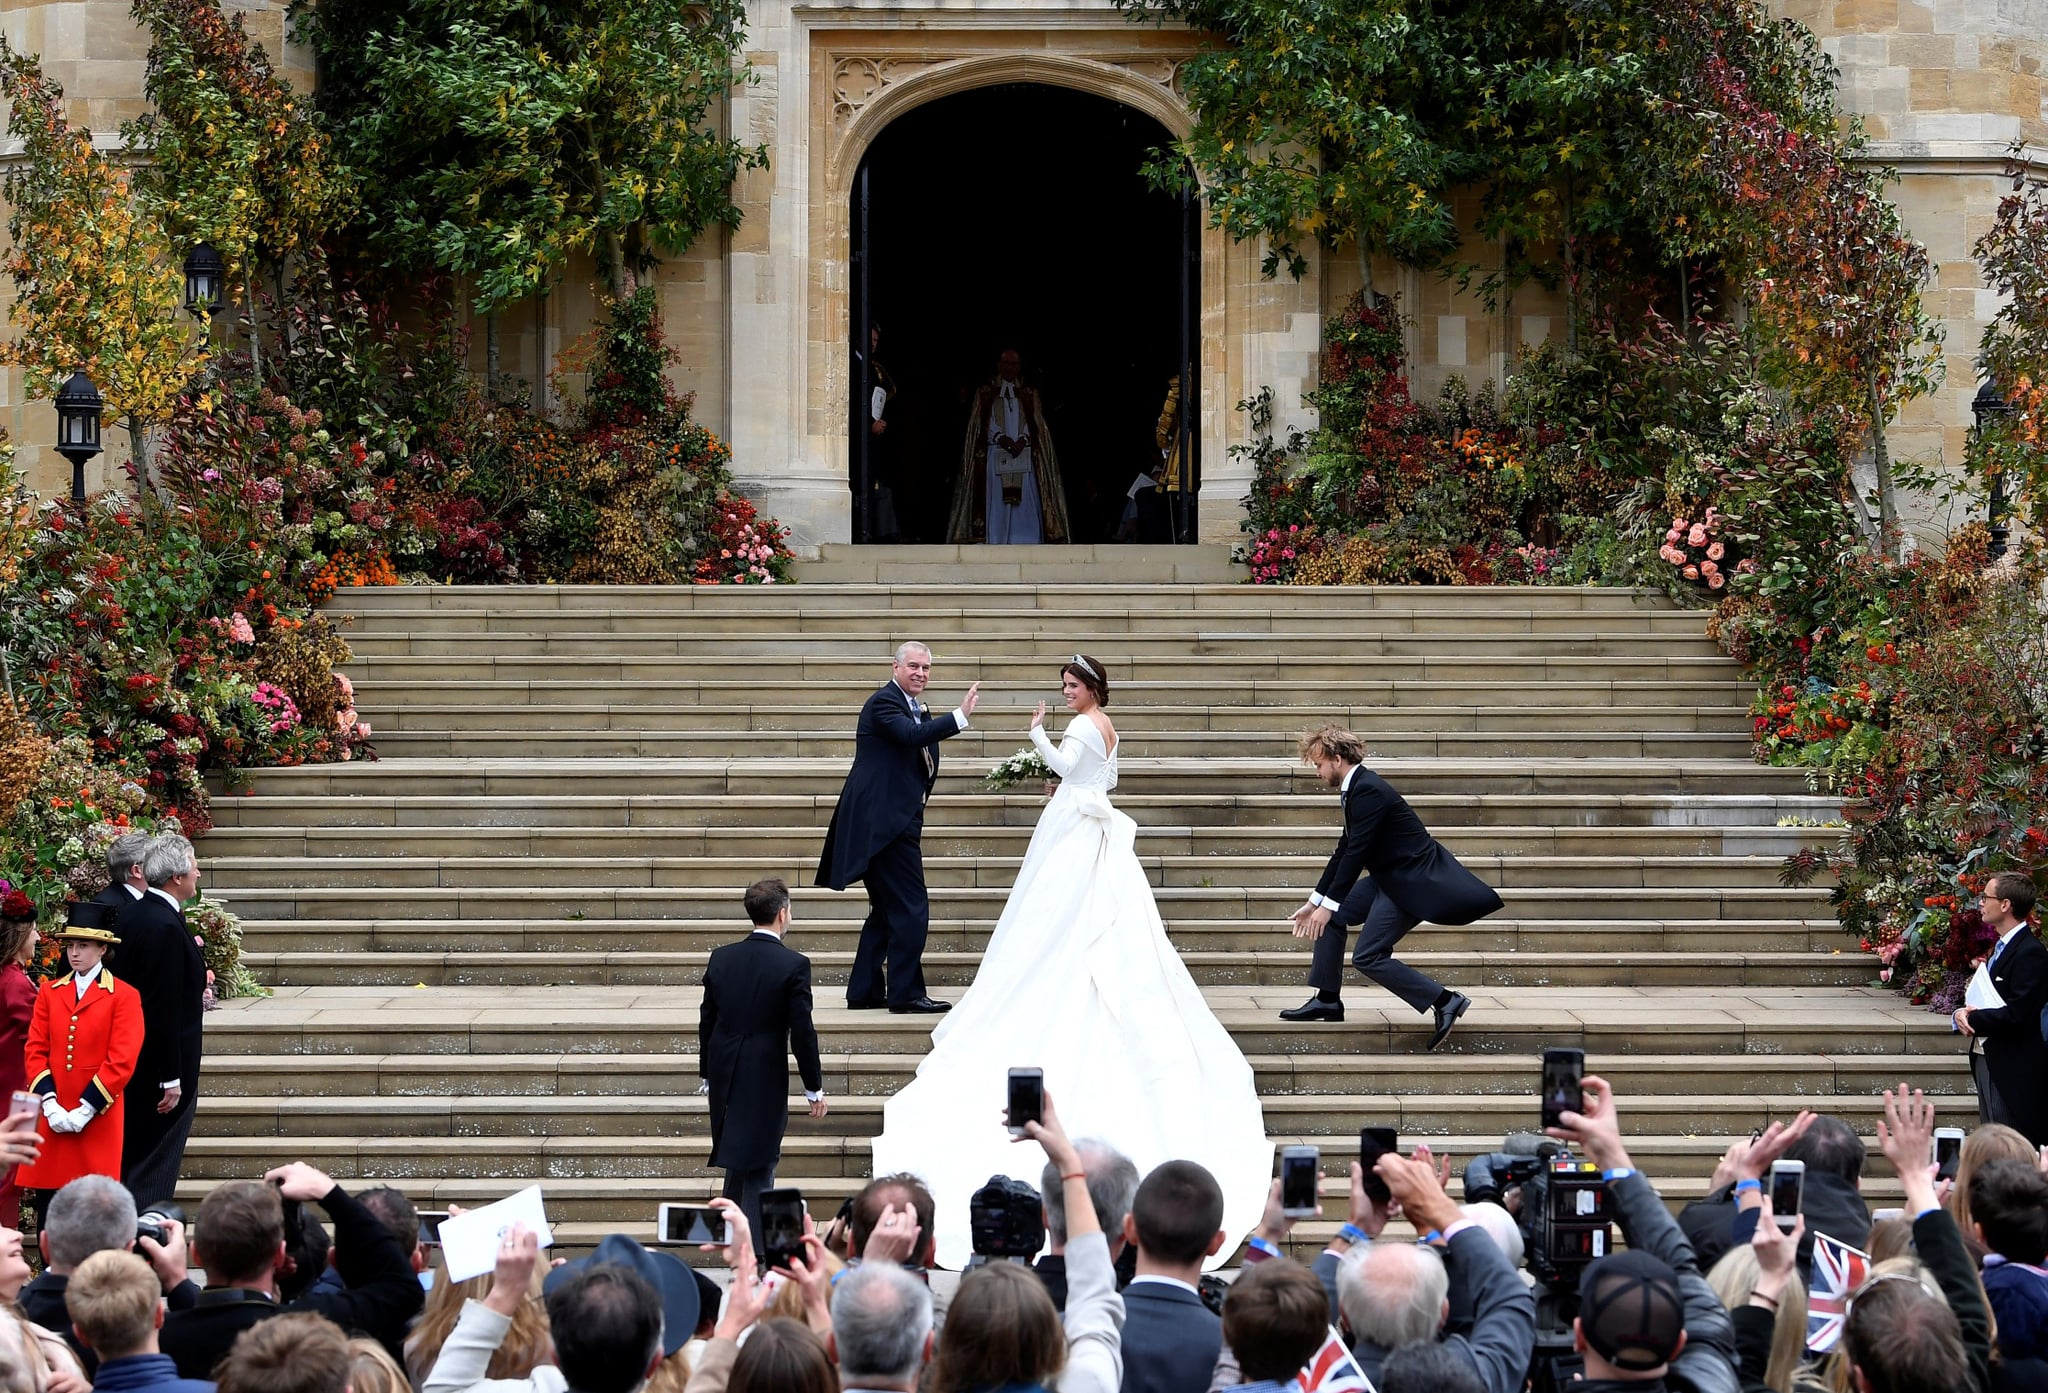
[1332, 740]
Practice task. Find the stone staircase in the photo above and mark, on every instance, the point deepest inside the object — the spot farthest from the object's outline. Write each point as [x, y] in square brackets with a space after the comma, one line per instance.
[485, 947]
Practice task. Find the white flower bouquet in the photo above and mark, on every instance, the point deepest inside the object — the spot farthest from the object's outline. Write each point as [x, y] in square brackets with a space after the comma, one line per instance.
[1022, 767]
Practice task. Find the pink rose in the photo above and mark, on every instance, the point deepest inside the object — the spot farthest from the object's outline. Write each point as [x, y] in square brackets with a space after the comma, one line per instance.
[1691, 573]
[1678, 523]
[1708, 568]
[1673, 535]
[363, 729]
[1697, 537]
[1716, 581]
[1716, 552]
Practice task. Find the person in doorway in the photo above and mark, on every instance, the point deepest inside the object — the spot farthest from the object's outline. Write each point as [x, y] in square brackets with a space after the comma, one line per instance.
[878, 388]
[1009, 490]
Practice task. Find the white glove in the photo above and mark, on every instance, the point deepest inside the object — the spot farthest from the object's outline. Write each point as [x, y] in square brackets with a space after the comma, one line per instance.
[59, 1119]
[82, 1114]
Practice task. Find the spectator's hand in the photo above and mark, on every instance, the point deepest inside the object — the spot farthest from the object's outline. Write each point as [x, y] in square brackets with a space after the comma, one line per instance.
[166, 1259]
[745, 1300]
[299, 1181]
[1906, 1134]
[738, 1251]
[814, 1279]
[2042, 1164]
[1774, 1141]
[65, 1381]
[169, 1102]
[518, 1255]
[818, 1108]
[1777, 1252]
[1274, 1223]
[895, 1236]
[1048, 1133]
[1596, 1130]
[1366, 1212]
[1413, 1181]
[20, 1142]
[1725, 1169]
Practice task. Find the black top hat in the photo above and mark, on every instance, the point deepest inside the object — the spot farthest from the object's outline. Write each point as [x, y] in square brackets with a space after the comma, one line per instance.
[89, 923]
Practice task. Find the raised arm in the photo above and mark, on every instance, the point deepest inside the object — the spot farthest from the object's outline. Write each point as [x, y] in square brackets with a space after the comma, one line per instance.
[1059, 760]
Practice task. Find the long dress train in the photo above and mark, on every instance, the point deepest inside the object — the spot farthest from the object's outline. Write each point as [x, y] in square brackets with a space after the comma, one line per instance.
[1080, 980]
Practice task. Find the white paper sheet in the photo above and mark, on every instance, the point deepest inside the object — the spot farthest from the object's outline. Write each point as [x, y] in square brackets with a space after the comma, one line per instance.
[1980, 994]
[469, 1242]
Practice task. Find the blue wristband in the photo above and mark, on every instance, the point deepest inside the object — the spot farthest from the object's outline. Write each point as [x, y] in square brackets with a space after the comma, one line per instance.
[1261, 1246]
[1352, 1233]
[1742, 1185]
[1618, 1173]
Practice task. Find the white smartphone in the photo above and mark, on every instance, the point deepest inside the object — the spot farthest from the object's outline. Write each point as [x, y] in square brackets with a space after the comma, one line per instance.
[1300, 1169]
[1948, 1152]
[691, 1224]
[1788, 1191]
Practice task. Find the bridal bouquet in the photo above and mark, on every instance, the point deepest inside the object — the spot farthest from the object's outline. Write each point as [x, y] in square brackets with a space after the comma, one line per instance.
[1022, 767]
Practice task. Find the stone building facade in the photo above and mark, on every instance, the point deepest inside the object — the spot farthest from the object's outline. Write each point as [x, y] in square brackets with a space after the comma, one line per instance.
[760, 316]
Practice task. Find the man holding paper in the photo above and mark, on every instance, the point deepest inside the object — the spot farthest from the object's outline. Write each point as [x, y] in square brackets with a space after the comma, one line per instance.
[2004, 1007]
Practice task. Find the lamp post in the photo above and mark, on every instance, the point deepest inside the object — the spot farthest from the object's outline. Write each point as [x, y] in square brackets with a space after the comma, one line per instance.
[78, 427]
[1989, 407]
[205, 274]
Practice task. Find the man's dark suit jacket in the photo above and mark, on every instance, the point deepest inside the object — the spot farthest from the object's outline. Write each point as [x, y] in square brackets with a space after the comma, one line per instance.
[1384, 838]
[2015, 1055]
[42, 1301]
[159, 959]
[1171, 1340]
[117, 899]
[380, 1295]
[886, 789]
[756, 1013]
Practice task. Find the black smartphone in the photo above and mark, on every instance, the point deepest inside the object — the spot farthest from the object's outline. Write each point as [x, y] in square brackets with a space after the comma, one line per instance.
[1027, 1099]
[1788, 1191]
[1373, 1143]
[697, 1224]
[1300, 1168]
[1563, 1071]
[430, 1226]
[782, 1227]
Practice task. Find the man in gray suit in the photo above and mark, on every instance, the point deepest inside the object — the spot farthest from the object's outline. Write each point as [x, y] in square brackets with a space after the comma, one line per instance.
[1171, 1339]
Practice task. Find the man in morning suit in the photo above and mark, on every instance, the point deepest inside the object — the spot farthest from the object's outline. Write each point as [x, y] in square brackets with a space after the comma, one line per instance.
[2015, 1055]
[1171, 1339]
[756, 1012]
[877, 832]
[160, 958]
[1407, 877]
[125, 882]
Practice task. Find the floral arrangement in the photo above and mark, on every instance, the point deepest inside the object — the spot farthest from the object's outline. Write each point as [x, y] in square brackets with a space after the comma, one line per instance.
[1025, 766]
[1694, 548]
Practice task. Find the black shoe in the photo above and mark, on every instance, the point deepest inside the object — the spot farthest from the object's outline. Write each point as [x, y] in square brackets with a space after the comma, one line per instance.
[873, 1003]
[1315, 1009]
[1447, 1016]
[922, 1006]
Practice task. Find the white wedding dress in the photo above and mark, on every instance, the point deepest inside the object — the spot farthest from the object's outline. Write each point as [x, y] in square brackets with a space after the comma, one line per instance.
[1081, 981]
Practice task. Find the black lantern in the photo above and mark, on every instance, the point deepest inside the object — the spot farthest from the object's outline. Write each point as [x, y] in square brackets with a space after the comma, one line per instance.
[78, 427]
[205, 274]
[1991, 406]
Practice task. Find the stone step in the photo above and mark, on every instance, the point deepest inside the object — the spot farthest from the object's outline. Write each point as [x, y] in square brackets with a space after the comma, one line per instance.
[1194, 701]
[1271, 904]
[633, 742]
[760, 729]
[605, 1020]
[1138, 654]
[1457, 663]
[1194, 781]
[783, 842]
[1098, 562]
[1120, 622]
[1266, 967]
[836, 933]
[470, 1080]
[1059, 597]
[968, 815]
[1257, 875]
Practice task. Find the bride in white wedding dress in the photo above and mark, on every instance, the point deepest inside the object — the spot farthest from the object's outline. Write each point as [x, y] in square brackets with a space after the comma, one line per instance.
[1080, 980]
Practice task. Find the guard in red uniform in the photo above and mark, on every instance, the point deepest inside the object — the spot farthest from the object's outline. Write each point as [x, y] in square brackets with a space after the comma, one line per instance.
[82, 1046]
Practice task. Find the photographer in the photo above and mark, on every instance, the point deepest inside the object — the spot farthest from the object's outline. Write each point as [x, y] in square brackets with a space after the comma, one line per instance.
[1702, 1357]
[94, 1214]
[242, 1245]
[1001, 1329]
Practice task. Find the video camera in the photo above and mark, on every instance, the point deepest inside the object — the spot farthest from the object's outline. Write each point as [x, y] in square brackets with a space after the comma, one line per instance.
[1562, 1206]
[1006, 1219]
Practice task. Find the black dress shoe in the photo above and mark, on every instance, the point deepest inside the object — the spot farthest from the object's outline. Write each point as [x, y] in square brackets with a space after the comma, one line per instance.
[873, 1003]
[1447, 1016]
[1315, 1009]
[923, 1006]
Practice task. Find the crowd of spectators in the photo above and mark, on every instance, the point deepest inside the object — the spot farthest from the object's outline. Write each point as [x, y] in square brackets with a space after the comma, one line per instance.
[1415, 1292]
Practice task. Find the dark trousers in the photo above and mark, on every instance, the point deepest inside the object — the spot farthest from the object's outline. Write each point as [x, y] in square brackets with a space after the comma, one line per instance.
[150, 1169]
[889, 964]
[743, 1188]
[1989, 1106]
[1381, 923]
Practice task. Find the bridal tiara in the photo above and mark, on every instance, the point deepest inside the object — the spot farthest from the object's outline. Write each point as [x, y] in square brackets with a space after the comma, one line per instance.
[1087, 667]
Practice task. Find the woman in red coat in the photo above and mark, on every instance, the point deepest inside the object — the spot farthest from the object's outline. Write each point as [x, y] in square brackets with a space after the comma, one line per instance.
[82, 1046]
[18, 941]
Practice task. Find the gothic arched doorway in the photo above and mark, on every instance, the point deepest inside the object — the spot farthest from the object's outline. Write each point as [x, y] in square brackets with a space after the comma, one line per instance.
[1018, 216]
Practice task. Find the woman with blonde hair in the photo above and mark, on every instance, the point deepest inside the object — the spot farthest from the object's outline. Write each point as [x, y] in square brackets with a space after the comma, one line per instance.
[371, 1369]
[526, 1346]
[1734, 1279]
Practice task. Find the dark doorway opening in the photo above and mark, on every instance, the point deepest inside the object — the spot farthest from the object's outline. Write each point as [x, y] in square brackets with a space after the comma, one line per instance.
[1018, 216]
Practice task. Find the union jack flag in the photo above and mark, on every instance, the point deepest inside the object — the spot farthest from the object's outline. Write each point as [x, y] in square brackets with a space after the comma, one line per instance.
[1334, 1370]
[1838, 1270]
